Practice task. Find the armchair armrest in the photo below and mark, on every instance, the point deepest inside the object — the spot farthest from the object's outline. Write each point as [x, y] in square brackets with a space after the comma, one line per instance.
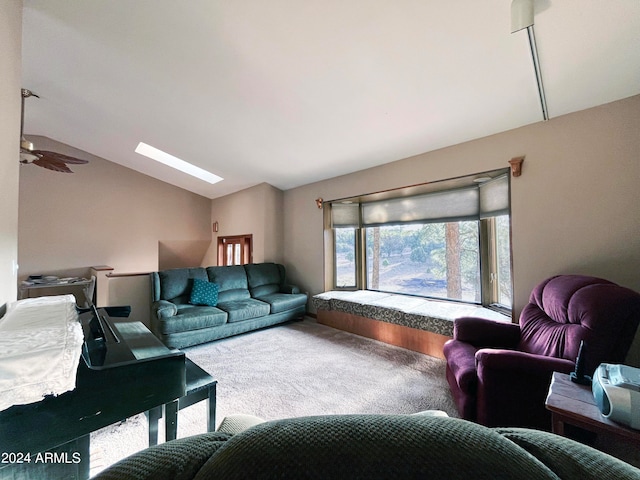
[481, 332]
[520, 363]
[289, 289]
[164, 309]
[513, 385]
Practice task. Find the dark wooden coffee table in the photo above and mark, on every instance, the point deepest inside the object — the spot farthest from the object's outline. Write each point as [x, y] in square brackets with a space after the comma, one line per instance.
[573, 404]
[199, 386]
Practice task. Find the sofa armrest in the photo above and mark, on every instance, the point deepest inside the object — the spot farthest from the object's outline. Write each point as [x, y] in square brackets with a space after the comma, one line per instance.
[181, 458]
[482, 332]
[566, 457]
[164, 309]
[289, 289]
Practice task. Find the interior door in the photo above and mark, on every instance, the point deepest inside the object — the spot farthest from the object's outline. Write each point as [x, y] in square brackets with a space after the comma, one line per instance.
[234, 250]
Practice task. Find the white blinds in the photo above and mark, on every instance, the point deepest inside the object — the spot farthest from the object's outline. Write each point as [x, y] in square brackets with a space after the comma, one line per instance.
[345, 215]
[494, 197]
[448, 206]
[471, 202]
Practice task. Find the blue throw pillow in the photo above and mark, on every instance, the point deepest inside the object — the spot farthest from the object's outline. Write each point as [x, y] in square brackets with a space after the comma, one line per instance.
[204, 293]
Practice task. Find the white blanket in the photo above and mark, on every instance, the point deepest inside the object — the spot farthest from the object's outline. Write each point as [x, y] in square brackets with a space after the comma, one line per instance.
[40, 346]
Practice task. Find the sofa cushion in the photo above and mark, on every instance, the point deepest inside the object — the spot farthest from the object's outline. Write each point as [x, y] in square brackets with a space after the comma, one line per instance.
[264, 278]
[374, 447]
[191, 317]
[232, 282]
[281, 302]
[177, 282]
[264, 290]
[204, 293]
[246, 309]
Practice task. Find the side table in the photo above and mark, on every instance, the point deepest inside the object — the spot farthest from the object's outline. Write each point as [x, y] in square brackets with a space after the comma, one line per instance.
[573, 404]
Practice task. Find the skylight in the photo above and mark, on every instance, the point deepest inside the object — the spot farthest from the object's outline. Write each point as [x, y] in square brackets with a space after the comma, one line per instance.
[174, 162]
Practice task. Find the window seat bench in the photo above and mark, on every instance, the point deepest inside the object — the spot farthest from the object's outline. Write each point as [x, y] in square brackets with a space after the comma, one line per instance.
[410, 322]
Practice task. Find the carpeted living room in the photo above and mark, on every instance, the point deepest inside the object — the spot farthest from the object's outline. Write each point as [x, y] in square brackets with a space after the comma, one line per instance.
[295, 370]
[319, 239]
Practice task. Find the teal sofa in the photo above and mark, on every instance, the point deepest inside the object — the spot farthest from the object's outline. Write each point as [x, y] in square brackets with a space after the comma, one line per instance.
[249, 297]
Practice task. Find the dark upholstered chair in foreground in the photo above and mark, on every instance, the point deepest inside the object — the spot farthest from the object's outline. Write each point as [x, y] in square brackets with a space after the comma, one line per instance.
[372, 447]
[499, 373]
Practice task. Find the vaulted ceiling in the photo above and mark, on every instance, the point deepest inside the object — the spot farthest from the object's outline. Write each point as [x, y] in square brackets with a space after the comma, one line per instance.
[291, 92]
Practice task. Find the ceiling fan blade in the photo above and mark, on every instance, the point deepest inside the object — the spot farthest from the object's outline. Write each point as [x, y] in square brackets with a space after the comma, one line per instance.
[43, 158]
[52, 164]
[59, 156]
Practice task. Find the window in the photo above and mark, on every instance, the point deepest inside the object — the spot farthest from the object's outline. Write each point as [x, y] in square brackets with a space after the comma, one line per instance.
[345, 245]
[234, 250]
[447, 240]
[501, 268]
[439, 260]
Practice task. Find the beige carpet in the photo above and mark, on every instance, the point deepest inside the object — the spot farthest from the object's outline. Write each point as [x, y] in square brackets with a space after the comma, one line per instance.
[297, 369]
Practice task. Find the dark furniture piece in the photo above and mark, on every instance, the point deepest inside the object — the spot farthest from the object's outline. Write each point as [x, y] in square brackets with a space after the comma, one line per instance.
[250, 297]
[499, 373]
[372, 447]
[573, 404]
[199, 386]
[127, 372]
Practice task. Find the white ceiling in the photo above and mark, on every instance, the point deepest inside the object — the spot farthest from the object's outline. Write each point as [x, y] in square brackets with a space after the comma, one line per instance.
[290, 92]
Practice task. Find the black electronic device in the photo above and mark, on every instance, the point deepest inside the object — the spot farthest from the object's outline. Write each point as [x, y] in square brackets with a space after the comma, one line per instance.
[578, 375]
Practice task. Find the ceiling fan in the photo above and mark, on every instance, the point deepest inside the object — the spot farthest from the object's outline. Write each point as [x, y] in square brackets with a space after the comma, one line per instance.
[43, 158]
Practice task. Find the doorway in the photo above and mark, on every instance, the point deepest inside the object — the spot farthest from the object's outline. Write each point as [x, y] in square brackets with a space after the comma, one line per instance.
[234, 250]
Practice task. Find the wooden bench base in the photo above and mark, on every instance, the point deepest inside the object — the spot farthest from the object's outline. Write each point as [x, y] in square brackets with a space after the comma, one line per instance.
[421, 341]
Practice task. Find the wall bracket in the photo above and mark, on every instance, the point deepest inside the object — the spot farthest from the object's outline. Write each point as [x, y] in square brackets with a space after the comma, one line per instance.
[516, 166]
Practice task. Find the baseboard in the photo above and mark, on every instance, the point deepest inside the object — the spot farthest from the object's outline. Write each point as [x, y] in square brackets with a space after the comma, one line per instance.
[420, 341]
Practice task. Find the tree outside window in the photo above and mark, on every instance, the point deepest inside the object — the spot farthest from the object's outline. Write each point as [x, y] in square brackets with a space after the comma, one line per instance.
[438, 260]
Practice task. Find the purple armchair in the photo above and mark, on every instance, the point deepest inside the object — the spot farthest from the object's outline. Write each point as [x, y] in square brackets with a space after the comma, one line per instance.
[499, 373]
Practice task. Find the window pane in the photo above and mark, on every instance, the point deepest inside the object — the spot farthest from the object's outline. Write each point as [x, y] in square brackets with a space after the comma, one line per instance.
[503, 258]
[345, 257]
[433, 260]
